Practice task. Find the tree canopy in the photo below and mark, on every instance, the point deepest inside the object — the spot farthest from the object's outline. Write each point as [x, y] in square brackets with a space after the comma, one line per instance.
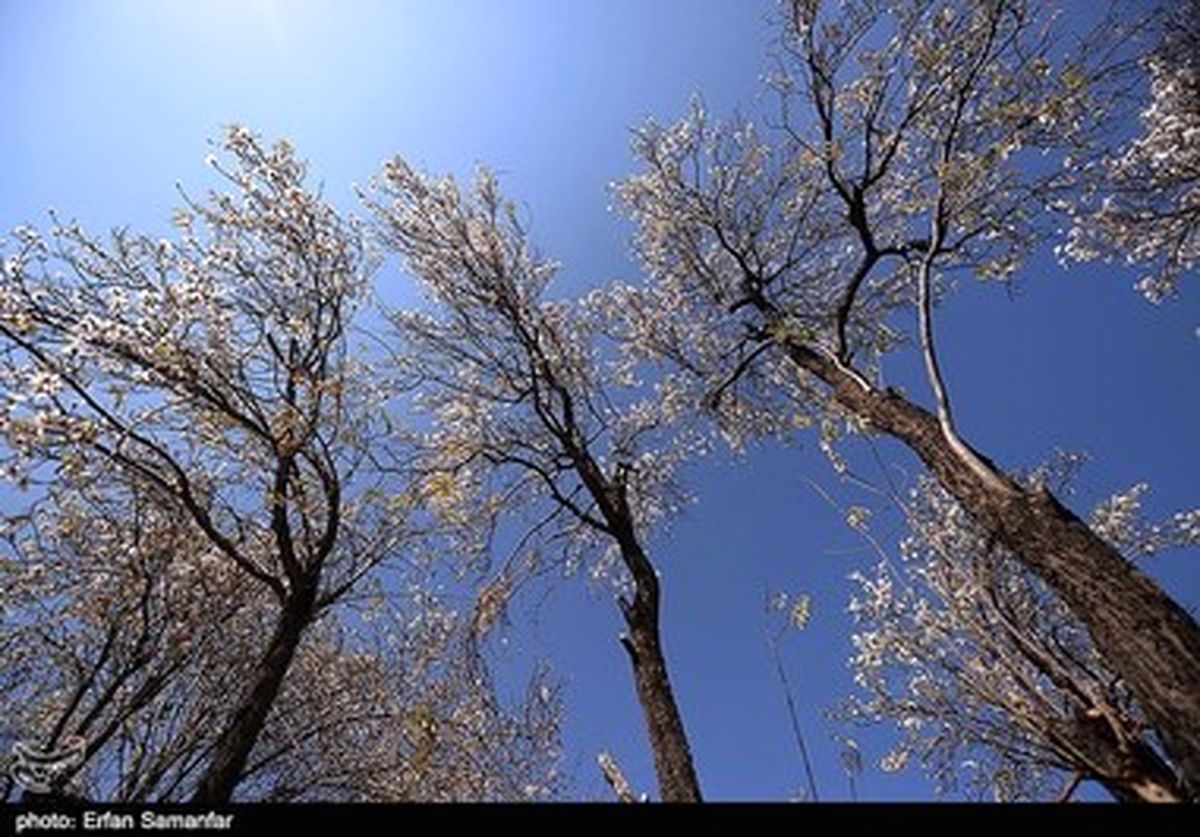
[271, 525]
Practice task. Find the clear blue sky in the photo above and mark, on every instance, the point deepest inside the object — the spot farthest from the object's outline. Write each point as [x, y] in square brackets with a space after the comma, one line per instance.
[107, 105]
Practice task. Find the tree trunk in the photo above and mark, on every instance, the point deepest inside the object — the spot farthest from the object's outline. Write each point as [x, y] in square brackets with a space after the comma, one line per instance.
[673, 766]
[239, 737]
[1128, 768]
[1145, 781]
[1143, 636]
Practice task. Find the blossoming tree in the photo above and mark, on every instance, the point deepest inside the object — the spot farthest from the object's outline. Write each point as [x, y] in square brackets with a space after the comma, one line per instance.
[124, 634]
[213, 369]
[910, 147]
[186, 593]
[525, 413]
[982, 667]
[1145, 205]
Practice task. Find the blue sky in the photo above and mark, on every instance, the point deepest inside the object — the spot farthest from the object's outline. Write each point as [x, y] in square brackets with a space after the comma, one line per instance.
[107, 105]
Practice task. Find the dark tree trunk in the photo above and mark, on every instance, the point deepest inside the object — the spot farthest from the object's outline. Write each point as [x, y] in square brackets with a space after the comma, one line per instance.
[673, 766]
[1142, 634]
[239, 737]
[1128, 768]
[1141, 777]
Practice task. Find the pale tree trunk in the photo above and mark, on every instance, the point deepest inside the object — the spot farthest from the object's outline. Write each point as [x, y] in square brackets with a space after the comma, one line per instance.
[1142, 634]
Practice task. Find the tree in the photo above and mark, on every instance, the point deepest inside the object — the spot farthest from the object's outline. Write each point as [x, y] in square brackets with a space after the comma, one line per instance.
[114, 612]
[405, 710]
[776, 267]
[124, 632]
[1145, 206]
[524, 413]
[215, 372]
[978, 663]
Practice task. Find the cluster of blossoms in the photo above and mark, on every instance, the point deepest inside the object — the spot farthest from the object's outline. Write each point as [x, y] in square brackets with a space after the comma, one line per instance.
[1146, 206]
[988, 677]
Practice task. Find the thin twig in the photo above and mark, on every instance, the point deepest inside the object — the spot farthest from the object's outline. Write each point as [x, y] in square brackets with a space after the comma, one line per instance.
[793, 715]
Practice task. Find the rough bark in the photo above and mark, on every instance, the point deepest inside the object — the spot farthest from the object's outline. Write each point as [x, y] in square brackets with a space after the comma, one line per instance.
[673, 766]
[1125, 766]
[239, 737]
[1141, 776]
[1143, 635]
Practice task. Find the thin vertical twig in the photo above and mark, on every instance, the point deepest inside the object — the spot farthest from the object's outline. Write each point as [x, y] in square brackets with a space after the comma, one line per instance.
[793, 715]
